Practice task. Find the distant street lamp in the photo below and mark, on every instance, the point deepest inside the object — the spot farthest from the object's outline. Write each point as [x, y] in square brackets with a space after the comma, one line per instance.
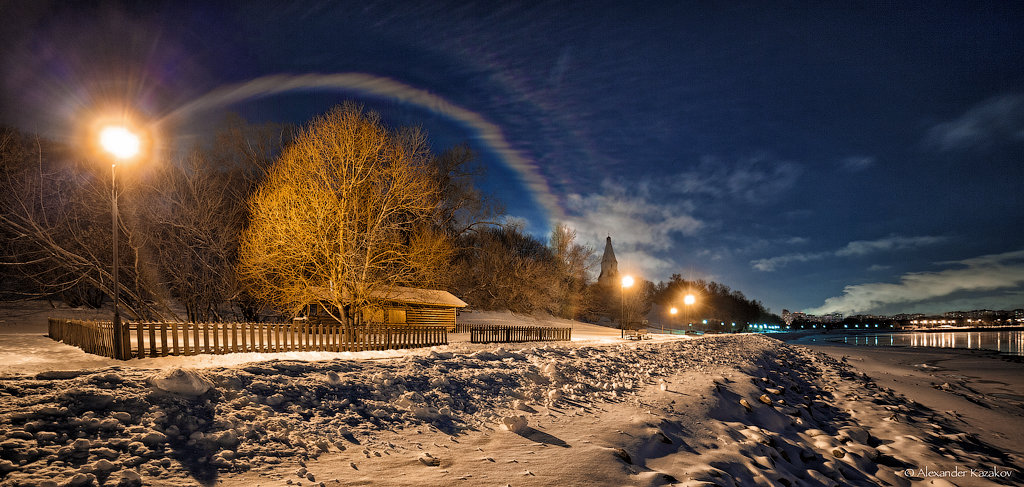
[673, 312]
[688, 301]
[627, 281]
[123, 144]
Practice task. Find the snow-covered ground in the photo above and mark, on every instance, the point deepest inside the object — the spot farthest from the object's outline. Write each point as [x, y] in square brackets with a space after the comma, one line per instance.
[717, 410]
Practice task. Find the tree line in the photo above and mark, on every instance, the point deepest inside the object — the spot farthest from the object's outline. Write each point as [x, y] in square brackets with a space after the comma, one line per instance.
[265, 219]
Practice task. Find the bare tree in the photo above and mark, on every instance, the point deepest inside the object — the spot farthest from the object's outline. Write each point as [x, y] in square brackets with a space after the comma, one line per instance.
[195, 225]
[197, 212]
[571, 264]
[504, 268]
[343, 216]
[54, 215]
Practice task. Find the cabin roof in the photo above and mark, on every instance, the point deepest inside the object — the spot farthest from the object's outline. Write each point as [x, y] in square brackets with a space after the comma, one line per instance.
[412, 295]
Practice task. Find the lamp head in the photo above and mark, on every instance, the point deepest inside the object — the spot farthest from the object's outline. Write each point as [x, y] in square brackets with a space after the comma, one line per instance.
[119, 141]
[627, 281]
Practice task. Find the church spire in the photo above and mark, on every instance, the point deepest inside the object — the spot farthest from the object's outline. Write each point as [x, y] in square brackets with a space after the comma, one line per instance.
[609, 266]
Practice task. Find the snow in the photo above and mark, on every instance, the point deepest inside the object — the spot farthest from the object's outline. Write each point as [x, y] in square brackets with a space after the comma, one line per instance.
[186, 382]
[718, 410]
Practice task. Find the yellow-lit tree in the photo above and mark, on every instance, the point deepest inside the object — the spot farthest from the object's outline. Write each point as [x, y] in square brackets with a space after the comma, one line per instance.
[345, 214]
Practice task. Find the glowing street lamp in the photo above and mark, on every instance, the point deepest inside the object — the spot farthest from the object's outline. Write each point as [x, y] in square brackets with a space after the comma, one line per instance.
[122, 144]
[688, 300]
[627, 281]
[673, 312]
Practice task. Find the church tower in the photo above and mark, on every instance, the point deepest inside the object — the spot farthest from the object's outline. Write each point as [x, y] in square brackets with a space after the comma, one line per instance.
[609, 266]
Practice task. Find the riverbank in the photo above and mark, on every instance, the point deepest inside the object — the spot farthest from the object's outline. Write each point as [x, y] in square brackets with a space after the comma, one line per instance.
[979, 389]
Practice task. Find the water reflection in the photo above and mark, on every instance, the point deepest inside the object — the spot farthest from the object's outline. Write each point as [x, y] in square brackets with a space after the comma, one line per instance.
[1009, 342]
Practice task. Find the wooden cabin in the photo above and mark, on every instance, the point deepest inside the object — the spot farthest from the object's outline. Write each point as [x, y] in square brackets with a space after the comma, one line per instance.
[400, 305]
[414, 306]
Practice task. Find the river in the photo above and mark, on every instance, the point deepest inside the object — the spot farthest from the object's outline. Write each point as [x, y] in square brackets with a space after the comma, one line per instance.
[1008, 342]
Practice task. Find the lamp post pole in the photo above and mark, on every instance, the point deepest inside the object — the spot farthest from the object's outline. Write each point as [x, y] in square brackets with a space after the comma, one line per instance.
[123, 145]
[627, 281]
[118, 333]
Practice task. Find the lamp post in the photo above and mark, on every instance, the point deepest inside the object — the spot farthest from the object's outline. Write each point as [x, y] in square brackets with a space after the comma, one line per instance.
[673, 312]
[122, 144]
[627, 281]
[688, 301]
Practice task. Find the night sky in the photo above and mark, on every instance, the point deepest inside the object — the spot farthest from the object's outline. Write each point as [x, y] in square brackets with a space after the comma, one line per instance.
[866, 158]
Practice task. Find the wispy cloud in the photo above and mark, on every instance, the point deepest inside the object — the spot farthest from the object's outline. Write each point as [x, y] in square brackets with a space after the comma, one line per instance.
[772, 263]
[988, 273]
[857, 163]
[855, 248]
[864, 247]
[753, 179]
[640, 226]
[995, 121]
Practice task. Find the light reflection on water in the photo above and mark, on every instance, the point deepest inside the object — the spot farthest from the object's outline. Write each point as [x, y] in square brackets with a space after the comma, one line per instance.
[1008, 342]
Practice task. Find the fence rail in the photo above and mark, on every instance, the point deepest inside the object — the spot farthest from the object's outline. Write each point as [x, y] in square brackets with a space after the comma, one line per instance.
[151, 339]
[516, 334]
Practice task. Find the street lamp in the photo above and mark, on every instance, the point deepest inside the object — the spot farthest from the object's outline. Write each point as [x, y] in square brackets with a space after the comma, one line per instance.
[627, 281]
[688, 300]
[673, 312]
[123, 144]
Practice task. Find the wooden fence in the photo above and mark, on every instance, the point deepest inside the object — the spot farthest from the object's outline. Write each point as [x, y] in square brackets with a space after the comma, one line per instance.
[162, 339]
[515, 334]
[96, 337]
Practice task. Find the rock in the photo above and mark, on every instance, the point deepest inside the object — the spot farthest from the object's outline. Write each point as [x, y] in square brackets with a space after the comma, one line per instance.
[333, 378]
[515, 424]
[184, 382]
[46, 436]
[228, 439]
[860, 435]
[129, 478]
[81, 445]
[745, 404]
[428, 460]
[153, 438]
[765, 399]
[275, 400]
[623, 455]
[105, 452]
[82, 480]
[103, 466]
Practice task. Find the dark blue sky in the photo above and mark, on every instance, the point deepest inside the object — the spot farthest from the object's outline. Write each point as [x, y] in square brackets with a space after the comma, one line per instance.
[859, 159]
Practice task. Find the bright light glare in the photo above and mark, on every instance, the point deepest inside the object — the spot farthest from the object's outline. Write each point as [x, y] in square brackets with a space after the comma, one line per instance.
[627, 281]
[119, 141]
[673, 311]
[689, 299]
